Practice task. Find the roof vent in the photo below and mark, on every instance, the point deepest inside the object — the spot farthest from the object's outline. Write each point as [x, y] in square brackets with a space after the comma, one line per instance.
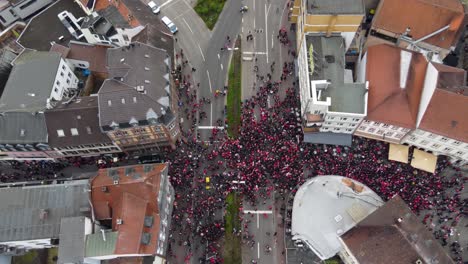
[119, 221]
[149, 220]
[330, 58]
[104, 189]
[147, 69]
[116, 182]
[146, 238]
[399, 220]
[22, 132]
[122, 60]
[43, 214]
[146, 56]
[418, 262]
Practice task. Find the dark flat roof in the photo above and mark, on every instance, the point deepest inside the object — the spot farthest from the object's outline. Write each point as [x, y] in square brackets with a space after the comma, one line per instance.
[46, 27]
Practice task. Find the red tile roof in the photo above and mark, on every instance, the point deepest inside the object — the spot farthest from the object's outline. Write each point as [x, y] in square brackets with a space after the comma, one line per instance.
[387, 101]
[446, 115]
[94, 54]
[131, 199]
[396, 15]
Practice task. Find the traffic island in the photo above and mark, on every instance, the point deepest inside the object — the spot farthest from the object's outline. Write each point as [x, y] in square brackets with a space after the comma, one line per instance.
[209, 11]
[232, 239]
[233, 104]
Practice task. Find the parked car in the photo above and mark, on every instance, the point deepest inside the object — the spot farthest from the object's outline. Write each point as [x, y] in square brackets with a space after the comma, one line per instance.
[155, 8]
[169, 24]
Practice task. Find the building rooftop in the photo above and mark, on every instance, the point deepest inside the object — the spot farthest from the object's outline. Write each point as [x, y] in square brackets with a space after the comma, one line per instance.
[129, 194]
[449, 121]
[329, 64]
[342, 202]
[94, 54]
[80, 114]
[335, 7]
[432, 16]
[143, 92]
[393, 234]
[22, 128]
[46, 27]
[30, 83]
[396, 80]
[72, 239]
[35, 212]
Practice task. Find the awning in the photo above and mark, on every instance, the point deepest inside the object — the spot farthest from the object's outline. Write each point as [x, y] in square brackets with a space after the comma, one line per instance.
[398, 153]
[424, 161]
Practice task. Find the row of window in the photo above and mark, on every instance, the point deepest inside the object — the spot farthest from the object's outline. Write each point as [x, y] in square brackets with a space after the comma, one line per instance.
[347, 119]
[73, 131]
[336, 129]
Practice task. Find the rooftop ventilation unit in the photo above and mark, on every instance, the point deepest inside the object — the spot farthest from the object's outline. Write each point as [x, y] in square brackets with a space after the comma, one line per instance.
[146, 238]
[116, 182]
[119, 221]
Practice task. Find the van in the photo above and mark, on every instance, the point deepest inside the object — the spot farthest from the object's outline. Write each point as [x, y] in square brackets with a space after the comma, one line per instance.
[154, 7]
[169, 24]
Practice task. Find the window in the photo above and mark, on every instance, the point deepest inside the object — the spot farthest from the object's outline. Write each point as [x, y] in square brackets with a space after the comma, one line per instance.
[344, 118]
[68, 81]
[399, 135]
[436, 145]
[371, 130]
[74, 131]
[389, 134]
[447, 149]
[63, 67]
[331, 117]
[385, 126]
[123, 100]
[460, 153]
[362, 128]
[2, 19]
[109, 102]
[444, 139]
[62, 74]
[456, 143]
[377, 123]
[336, 129]
[58, 83]
[394, 128]
[349, 130]
[353, 125]
[340, 124]
[81, 65]
[424, 142]
[69, 75]
[356, 119]
[432, 136]
[366, 122]
[88, 130]
[60, 133]
[56, 90]
[380, 132]
[134, 100]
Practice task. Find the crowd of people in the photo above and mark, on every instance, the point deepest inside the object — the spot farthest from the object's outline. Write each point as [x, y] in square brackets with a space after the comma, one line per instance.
[269, 155]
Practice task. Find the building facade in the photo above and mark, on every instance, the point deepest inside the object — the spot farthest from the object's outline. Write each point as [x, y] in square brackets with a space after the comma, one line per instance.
[20, 10]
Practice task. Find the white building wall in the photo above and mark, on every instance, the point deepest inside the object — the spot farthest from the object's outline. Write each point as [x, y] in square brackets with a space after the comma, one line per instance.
[430, 82]
[382, 130]
[64, 79]
[341, 122]
[304, 83]
[30, 244]
[437, 144]
[361, 70]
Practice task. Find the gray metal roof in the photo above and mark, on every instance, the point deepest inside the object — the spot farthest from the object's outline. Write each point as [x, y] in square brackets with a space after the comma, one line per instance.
[72, 240]
[21, 209]
[329, 64]
[347, 7]
[22, 128]
[31, 81]
[96, 246]
[325, 207]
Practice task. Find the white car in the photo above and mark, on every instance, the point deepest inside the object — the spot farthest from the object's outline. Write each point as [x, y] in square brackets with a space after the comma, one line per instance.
[154, 7]
[169, 24]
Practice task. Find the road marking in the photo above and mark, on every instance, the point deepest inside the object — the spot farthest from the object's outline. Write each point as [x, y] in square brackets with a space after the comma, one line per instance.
[166, 3]
[266, 29]
[211, 114]
[181, 14]
[187, 25]
[201, 52]
[258, 212]
[210, 127]
[272, 43]
[258, 250]
[209, 81]
[258, 221]
[219, 56]
[221, 66]
[254, 52]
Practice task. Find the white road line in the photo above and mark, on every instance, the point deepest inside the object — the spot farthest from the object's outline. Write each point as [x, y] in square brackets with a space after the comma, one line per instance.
[272, 43]
[221, 66]
[185, 21]
[166, 3]
[266, 29]
[254, 12]
[258, 250]
[210, 127]
[254, 52]
[258, 212]
[219, 57]
[209, 81]
[203, 57]
[258, 221]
